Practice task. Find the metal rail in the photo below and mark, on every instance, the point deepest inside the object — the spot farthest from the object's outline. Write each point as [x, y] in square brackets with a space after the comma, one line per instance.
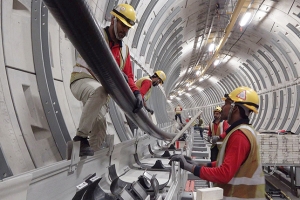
[273, 191]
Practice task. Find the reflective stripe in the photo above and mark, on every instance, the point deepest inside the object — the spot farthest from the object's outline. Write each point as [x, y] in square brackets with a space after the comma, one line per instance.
[235, 198]
[255, 180]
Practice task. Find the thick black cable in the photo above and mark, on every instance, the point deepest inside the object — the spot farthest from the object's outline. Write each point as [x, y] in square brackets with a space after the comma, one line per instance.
[83, 31]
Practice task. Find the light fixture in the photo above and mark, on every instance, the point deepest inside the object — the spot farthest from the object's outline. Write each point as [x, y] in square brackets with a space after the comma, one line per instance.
[211, 47]
[198, 72]
[216, 62]
[245, 19]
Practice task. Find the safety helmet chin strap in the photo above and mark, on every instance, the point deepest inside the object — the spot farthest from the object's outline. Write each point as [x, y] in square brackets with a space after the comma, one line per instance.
[230, 111]
[116, 29]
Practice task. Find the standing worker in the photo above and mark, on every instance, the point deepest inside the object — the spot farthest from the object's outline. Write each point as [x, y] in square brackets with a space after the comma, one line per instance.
[216, 132]
[238, 169]
[86, 88]
[178, 110]
[146, 83]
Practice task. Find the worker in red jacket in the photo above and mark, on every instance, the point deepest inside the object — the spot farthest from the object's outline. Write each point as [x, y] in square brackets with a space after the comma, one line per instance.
[86, 88]
[216, 133]
[238, 169]
[146, 83]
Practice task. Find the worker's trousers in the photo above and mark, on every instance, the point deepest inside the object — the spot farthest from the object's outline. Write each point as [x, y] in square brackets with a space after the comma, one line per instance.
[92, 121]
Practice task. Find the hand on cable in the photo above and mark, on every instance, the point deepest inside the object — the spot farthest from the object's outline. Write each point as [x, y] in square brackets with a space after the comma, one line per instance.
[183, 163]
[139, 101]
[187, 158]
[149, 110]
[125, 76]
[190, 160]
[215, 139]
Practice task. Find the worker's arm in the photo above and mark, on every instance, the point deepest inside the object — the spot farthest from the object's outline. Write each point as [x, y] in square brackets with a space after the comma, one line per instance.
[145, 86]
[237, 142]
[128, 71]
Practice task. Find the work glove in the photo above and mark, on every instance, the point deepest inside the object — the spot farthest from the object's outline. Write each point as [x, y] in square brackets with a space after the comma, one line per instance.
[215, 139]
[150, 111]
[187, 158]
[139, 101]
[125, 76]
[183, 163]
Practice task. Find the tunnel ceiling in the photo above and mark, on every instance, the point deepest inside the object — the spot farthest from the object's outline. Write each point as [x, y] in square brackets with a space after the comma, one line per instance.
[175, 36]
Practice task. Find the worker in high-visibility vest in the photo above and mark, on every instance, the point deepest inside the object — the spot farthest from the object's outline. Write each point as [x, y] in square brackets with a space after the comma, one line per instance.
[86, 88]
[238, 170]
[146, 83]
[216, 132]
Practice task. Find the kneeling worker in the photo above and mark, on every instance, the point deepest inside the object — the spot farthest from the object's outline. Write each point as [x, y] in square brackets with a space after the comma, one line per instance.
[238, 169]
[146, 83]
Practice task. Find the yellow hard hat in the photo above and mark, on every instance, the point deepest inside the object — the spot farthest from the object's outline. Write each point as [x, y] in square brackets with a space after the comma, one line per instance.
[245, 96]
[125, 13]
[161, 75]
[218, 109]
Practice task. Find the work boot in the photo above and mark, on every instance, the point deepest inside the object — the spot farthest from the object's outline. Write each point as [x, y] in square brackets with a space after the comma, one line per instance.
[85, 149]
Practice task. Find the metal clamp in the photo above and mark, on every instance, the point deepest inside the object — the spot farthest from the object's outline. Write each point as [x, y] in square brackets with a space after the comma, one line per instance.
[74, 155]
[110, 143]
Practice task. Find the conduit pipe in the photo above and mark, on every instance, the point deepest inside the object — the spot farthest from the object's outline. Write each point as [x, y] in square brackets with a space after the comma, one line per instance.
[238, 8]
[84, 32]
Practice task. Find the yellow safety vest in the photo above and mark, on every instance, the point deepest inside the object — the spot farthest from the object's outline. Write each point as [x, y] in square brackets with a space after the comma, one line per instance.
[82, 70]
[138, 84]
[249, 181]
